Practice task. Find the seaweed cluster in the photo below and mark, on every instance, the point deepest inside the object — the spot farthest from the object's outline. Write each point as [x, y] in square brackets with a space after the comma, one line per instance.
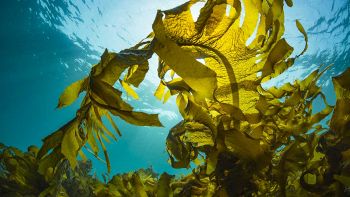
[244, 140]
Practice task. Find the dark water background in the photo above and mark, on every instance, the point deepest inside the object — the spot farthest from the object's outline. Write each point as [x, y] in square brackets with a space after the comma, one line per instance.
[47, 44]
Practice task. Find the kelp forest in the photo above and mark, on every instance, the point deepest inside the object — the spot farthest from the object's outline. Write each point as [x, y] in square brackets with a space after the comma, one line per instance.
[243, 139]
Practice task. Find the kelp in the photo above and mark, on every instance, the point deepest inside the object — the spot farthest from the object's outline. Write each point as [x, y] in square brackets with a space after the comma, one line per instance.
[20, 177]
[101, 100]
[243, 140]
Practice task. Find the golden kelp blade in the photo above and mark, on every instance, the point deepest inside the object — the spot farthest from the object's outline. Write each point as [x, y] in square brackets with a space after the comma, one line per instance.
[193, 72]
[302, 30]
[71, 93]
[129, 90]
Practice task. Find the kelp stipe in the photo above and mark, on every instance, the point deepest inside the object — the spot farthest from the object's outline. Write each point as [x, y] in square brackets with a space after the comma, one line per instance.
[243, 139]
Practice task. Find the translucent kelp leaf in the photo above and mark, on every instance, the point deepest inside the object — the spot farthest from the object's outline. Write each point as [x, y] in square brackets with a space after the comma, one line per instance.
[195, 74]
[98, 123]
[136, 74]
[91, 139]
[70, 145]
[112, 65]
[178, 84]
[159, 91]
[110, 95]
[129, 90]
[113, 124]
[181, 102]
[167, 96]
[302, 30]
[104, 151]
[51, 141]
[198, 134]
[71, 93]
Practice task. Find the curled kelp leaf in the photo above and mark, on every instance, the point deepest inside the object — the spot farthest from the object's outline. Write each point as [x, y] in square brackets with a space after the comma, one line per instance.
[185, 140]
[72, 92]
[302, 30]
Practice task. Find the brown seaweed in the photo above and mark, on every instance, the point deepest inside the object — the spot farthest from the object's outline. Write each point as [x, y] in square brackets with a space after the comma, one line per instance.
[244, 140]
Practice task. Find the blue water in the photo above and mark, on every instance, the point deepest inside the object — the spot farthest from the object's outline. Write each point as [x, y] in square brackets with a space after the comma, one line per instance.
[45, 45]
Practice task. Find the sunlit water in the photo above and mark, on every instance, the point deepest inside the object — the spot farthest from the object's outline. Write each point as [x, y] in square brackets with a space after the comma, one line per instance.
[46, 45]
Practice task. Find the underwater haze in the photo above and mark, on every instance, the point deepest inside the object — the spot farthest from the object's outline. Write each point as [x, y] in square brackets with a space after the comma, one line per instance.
[46, 45]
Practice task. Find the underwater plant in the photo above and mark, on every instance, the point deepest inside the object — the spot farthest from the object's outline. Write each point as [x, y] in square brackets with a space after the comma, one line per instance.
[244, 140]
